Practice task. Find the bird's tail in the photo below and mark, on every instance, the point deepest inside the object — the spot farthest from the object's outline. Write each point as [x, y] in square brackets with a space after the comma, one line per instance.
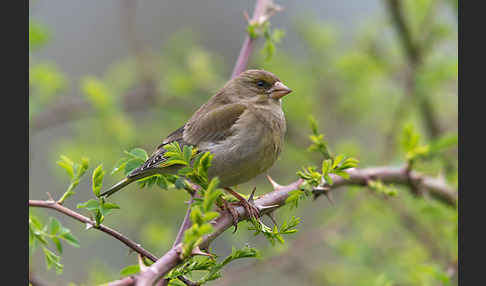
[130, 178]
[118, 186]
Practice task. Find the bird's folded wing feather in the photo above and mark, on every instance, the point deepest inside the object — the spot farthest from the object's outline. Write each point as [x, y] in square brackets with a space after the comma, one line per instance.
[212, 126]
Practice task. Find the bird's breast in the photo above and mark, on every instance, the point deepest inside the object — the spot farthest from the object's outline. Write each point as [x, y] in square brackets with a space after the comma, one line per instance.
[252, 148]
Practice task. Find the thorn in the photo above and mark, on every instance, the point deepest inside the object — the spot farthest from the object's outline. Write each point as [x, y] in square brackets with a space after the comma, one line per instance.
[250, 199]
[141, 263]
[274, 184]
[267, 207]
[197, 251]
[272, 217]
[88, 226]
[50, 196]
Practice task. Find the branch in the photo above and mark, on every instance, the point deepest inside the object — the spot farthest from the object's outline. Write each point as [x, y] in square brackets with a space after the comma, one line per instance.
[264, 9]
[437, 188]
[131, 244]
[414, 52]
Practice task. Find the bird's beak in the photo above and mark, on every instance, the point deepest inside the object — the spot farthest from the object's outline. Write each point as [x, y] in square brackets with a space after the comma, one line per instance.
[279, 90]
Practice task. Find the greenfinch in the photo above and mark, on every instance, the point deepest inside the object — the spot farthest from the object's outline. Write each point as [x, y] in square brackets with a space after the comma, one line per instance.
[243, 126]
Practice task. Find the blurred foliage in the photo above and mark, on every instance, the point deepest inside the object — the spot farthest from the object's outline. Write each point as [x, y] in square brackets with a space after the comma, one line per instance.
[354, 88]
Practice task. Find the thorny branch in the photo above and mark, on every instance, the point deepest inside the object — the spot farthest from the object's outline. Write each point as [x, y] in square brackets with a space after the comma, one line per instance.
[91, 224]
[436, 188]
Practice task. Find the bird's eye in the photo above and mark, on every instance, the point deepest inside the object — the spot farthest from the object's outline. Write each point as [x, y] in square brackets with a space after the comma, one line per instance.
[261, 83]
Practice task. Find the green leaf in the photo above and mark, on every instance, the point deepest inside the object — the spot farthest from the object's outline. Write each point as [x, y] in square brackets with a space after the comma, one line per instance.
[90, 205]
[138, 153]
[71, 239]
[119, 165]
[187, 154]
[336, 161]
[52, 260]
[132, 164]
[130, 270]
[83, 167]
[205, 229]
[341, 174]
[211, 194]
[57, 242]
[326, 166]
[55, 226]
[98, 175]
[110, 206]
[170, 162]
[106, 208]
[210, 216]
[67, 165]
[349, 163]
[328, 179]
[162, 182]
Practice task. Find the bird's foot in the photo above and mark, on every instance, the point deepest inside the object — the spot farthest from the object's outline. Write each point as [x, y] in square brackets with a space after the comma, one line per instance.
[249, 205]
[233, 212]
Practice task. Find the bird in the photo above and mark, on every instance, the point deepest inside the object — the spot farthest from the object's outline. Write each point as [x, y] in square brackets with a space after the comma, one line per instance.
[242, 126]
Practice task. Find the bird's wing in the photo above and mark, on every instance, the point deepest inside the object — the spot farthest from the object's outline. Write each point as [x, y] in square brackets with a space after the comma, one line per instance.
[213, 126]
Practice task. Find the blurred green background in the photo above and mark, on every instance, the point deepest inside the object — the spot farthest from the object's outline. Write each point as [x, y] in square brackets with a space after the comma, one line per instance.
[109, 76]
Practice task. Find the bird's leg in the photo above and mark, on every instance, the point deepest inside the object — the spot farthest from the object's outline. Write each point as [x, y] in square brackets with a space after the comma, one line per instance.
[233, 213]
[249, 205]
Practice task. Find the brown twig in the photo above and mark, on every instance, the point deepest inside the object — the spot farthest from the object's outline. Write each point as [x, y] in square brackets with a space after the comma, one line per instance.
[436, 188]
[64, 210]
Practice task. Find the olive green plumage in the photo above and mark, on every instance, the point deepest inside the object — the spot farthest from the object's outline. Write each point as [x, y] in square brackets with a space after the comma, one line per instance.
[243, 126]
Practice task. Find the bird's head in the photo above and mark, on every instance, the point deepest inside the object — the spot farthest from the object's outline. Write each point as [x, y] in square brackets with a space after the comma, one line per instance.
[257, 86]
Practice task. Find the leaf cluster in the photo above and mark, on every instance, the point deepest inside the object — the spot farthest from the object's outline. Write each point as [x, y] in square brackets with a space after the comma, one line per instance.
[274, 234]
[210, 265]
[272, 37]
[98, 207]
[377, 185]
[75, 172]
[54, 232]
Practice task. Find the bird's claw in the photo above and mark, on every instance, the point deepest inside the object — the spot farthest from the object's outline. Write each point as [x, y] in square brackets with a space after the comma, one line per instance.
[248, 204]
[233, 212]
[250, 207]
